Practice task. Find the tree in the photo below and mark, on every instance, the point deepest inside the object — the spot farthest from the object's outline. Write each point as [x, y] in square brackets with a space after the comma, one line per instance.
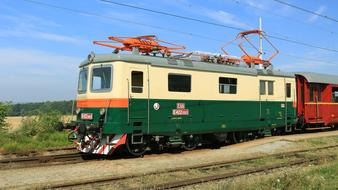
[3, 113]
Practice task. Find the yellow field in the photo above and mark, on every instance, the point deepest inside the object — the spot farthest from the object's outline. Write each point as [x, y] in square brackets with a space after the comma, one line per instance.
[15, 121]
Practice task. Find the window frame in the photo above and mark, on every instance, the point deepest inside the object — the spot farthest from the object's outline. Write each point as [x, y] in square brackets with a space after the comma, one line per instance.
[179, 74]
[334, 98]
[288, 90]
[111, 78]
[260, 87]
[227, 84]
[86, 87]
[273, 88]
[131, 83]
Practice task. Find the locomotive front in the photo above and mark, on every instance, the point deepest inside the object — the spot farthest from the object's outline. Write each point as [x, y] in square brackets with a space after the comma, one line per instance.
[99, 108]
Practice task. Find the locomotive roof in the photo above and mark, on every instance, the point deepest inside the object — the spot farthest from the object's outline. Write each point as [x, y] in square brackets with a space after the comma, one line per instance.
[319, 78]
[181, 64]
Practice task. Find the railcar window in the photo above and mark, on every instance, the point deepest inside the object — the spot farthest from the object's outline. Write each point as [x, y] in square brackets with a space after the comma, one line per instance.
[179, 83]
[136, 81]
[335, 95]
[83, 78]
[312, 89]
[262, 87]
[288, 90]
[101, 79]
[319, 92]
[227, 85]
[270, 87]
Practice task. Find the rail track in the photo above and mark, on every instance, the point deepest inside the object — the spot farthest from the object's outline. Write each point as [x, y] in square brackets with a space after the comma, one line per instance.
[193, 181]
[34, 161]
[35, 152]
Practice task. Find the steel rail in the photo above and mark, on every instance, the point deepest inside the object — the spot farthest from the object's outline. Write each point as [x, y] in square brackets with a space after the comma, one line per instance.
[24, 162]
[110, 179]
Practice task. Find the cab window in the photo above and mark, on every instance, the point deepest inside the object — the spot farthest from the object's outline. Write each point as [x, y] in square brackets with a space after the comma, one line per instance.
[83, 78]
[101, 78]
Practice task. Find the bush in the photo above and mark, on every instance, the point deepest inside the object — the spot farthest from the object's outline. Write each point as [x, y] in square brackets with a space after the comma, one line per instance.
[42, 123]
[36, 132]
[4, 108]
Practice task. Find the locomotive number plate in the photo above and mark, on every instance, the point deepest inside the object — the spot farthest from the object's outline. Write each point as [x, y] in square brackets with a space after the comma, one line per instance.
[86, 116]
[180, 112]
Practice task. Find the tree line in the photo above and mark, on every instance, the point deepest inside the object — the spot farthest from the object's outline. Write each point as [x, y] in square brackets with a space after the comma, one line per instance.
[23, 109]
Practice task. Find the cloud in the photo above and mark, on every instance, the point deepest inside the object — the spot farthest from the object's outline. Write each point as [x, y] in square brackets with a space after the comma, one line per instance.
[14, 59]
[320, 10]
[28, 75]
[27, 26]
[225, 18]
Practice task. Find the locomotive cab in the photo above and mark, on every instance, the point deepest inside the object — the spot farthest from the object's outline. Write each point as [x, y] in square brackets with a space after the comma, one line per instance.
[100, 107]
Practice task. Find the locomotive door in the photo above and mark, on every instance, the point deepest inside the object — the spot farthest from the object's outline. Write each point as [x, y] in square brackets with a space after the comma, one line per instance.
[266, 92]
[138, 95]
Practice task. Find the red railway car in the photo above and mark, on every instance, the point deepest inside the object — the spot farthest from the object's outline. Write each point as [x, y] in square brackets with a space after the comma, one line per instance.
[317, 96]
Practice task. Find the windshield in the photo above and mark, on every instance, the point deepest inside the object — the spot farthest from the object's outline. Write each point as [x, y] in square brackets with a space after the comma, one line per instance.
[101, 78]
[83, 78]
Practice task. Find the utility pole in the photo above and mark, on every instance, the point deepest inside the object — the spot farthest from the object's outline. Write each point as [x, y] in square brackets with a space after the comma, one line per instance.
[260, 39]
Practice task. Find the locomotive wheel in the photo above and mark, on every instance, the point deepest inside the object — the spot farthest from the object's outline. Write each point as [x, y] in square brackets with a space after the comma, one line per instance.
[190, 143]
[238, 137]
[136, 150]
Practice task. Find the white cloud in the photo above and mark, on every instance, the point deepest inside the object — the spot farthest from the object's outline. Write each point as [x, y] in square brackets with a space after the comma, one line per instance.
[225, 18]
[28, 75]
[27, 26]
[36, 61]
[320, 10]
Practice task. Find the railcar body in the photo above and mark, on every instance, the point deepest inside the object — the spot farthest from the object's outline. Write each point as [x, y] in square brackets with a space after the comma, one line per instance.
[142, 102]
[317, 96]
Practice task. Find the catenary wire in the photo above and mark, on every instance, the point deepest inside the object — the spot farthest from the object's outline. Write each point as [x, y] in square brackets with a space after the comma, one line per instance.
[220, 25]
[150, 26]
[287, 17]
[306, 10]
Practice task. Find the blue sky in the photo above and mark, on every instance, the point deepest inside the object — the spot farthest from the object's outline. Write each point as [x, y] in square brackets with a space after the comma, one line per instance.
[41, 47]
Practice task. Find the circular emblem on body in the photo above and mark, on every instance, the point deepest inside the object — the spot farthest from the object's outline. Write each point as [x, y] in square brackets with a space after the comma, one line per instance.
[156, 106]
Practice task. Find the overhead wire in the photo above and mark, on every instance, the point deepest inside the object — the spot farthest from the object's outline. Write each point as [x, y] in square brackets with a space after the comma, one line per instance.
[306, 10]
[286, 39]
[145, 25]
[288, 18]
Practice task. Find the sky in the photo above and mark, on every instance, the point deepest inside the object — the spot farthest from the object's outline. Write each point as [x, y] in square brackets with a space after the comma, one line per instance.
[41, 47]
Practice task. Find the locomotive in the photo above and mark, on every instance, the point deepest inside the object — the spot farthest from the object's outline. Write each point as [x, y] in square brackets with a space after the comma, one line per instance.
[157, 97]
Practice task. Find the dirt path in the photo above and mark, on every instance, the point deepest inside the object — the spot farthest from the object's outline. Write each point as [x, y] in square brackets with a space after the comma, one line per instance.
[28, 177]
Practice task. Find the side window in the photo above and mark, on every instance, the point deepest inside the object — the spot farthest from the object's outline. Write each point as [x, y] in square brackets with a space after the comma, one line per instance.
[227, 85]
[270, 87]
[334, 94]
[262, 87]
[319, 92]
[136, 81]
[288, 90]
[312, 91]
[179, 83]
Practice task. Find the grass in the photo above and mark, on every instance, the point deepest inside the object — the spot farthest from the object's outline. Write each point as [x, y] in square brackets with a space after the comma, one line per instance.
[12, 142]
[35, 133]
[311, 177]
[321, 176]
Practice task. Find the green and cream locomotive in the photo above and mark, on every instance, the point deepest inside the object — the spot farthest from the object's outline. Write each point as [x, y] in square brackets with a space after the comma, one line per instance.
[141, 101]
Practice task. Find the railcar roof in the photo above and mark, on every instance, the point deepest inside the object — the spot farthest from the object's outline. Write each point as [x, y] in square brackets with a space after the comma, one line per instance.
[181, 64]
[319, 78]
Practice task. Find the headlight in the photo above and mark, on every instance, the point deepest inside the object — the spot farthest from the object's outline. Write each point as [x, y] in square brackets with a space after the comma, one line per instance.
[78, 110]
[102, 111]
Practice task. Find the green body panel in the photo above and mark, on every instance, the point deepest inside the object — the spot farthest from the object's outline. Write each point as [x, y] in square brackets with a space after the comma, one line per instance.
[204, 117]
